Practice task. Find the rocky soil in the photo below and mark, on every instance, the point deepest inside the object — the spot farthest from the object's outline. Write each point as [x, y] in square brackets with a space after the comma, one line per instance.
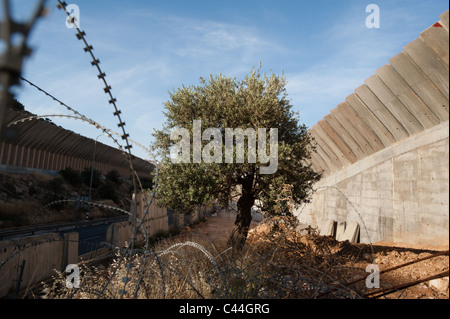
[356, 257]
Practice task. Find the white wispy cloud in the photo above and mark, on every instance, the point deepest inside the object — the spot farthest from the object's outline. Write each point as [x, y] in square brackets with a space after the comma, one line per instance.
[354, 54]
[148, 50]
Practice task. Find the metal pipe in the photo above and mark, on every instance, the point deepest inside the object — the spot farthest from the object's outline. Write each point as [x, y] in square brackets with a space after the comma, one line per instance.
[390, 290]
[446, 252]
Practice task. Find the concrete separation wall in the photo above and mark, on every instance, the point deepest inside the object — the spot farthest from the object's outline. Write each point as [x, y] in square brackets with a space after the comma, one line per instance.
[399, 194]
[155, 222]
[42, 254]
[38, 144]
[384, 150]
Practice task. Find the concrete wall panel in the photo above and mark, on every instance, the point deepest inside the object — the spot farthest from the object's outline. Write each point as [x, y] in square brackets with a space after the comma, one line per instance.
[421, 85]
[43, 143]
[396, 126]
[444, 19]
[371, 121]
[437, 39]
[326, 152]
[407, 96]
[394, 105]
[382, 113]
[399, 194]
[430, 64]
[337, 138]
[346, 136]
[326, 138]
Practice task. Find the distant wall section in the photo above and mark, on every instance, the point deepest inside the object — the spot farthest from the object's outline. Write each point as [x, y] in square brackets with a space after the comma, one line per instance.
[40, 145]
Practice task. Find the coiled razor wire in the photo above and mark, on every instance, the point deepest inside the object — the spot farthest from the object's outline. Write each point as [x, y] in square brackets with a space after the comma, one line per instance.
[130, 252]
[137, 224]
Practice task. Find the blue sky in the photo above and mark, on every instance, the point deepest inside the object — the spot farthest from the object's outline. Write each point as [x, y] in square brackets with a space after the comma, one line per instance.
[149, 48]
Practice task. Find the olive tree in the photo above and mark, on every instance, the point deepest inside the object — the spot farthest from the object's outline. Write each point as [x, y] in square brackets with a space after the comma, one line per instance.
[228, 139]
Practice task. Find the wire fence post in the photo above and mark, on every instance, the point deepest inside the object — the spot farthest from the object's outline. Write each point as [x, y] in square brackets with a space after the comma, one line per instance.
[19, 279]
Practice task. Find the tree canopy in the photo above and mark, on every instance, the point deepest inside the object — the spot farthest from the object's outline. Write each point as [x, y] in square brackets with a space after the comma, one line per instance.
[257, 104]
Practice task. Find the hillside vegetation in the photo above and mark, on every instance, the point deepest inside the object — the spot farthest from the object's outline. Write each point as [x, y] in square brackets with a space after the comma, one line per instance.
[35, 198]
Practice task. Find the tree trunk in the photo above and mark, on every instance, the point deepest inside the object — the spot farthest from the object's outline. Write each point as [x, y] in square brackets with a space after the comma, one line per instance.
[243, 219]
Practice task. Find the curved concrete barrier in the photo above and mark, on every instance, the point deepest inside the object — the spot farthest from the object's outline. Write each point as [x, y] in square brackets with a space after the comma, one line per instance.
[384, 151]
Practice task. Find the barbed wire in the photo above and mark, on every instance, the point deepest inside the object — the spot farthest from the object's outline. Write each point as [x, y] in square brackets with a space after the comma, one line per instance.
[137, 223]
[223, 274]
[81, 35]
[84, 118]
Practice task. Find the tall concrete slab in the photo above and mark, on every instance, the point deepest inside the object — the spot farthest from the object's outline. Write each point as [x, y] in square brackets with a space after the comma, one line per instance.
[366, 115]
[351, 232]
[340, 230]
[43, 142]
[381, 112]
[444, 19]
[320, 163]
[346, 137]
[337, 133]
[436, 37]
[397, 127]
[394, 105]
[363, 135]
[314, 166]
[326, 153]
[330, 144]
[421, 84]
[430, 64]
[328, 228]
[317, 162]
[407, 96]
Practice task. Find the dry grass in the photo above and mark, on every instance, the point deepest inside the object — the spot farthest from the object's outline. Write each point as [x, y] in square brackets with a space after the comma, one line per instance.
[16, 213]
[274, 264]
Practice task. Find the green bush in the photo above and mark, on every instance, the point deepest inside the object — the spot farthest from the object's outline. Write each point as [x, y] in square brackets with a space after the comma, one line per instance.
[96, 177]
[71, 176]
[114, 176]
[108, 191]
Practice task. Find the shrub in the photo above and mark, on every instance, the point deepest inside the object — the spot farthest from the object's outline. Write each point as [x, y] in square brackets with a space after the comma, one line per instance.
[108, 191]
[114, 176]
[96, 177]
[73, 177]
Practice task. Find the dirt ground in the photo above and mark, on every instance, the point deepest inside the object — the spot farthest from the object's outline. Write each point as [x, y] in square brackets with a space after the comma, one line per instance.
[217, 227]
[384, 254]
